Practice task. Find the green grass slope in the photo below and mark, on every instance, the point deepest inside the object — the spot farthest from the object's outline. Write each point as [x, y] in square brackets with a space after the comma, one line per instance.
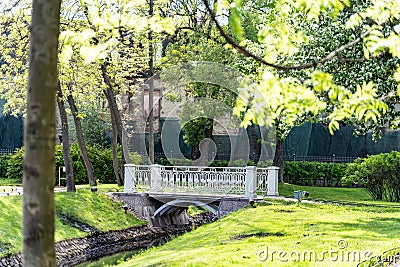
[94, 209]
[283, 234]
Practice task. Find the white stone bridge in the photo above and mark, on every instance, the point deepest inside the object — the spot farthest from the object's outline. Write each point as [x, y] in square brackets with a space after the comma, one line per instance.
[169, 190]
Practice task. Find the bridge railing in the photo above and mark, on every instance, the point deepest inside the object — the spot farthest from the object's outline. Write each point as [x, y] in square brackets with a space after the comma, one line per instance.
[248, 180]
[137, 177]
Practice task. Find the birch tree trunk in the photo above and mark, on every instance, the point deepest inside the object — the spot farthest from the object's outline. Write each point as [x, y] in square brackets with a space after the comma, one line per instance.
[39, 136]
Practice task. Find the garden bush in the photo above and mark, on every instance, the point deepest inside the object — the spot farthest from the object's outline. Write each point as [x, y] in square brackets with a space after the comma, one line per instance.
[101, 159]
[312, 173]
[215, 163]
[14, 165]
[3, 165]
[379, 174]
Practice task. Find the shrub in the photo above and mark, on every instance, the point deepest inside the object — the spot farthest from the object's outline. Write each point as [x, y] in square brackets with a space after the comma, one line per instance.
[14, 165]
[101, 159]
[350, 174]
[3, 165]
[241, 163]
[378, 174]
[174, 162]
[312, 173]
[219, 163]
[264, 164]
[138, 159]
[215, 163]
[102, 163]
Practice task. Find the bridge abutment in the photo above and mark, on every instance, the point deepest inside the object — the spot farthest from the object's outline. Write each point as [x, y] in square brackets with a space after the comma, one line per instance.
[171, 210]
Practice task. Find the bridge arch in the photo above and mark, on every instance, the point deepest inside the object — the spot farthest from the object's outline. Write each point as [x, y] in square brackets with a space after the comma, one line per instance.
[180, 202]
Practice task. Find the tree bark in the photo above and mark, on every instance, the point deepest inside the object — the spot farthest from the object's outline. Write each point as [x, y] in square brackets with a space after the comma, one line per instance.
[196, 152]
[207, 134]
[39, 136]
[151, 88]
[69, 172]
[117, 169]
[81, 142]
[279, 160]
[256, 144]
[117, 129]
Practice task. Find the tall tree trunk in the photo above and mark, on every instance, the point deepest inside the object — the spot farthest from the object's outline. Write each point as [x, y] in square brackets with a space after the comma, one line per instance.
[207, 134]
[39, 136]
[279, 160]
[117, 128]
[151, 88]
[81, 141]
[196, 152]
[117, 169]
[69, 172]
[255, 143]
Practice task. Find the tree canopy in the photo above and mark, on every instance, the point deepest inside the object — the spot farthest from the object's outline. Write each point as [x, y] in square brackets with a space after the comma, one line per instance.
[334, 61]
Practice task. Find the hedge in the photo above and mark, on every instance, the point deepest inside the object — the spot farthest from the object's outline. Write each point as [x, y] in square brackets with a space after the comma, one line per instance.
[312, 173]
[101, 159]
[3, 165]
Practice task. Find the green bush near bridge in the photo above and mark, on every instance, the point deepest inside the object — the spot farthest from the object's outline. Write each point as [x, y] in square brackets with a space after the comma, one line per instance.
[101, 159]
[313, 173]
[3, 165]
[377, 173]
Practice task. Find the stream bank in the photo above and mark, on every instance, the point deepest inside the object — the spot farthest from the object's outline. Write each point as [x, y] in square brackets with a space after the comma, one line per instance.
[72, 252]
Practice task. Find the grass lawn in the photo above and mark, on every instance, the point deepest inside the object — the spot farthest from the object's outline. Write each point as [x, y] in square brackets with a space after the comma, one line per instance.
[281, 233]
[327, 193]
[94, 209]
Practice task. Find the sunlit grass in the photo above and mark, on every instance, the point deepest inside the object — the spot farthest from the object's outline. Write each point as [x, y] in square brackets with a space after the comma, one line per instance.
[246, 237]
[327, 193]
[94, 209]
[358, 196]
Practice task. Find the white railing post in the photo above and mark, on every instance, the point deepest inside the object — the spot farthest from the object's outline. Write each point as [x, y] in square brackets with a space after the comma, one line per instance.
[273, 173]
[155, 178]
[129, 181]
[251, 182]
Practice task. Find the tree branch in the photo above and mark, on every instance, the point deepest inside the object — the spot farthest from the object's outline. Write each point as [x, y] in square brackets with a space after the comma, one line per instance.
[247, 53]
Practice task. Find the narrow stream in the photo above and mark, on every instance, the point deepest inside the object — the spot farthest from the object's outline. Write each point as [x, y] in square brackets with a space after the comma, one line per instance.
[110, 260]
[91, 250]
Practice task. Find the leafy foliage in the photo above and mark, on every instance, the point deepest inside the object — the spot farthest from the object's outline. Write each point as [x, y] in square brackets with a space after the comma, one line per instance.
[215, 163]
[101, 158]
[314, 173]
[3, 165]
[14, 165]
[95, 125]
[378, 174]
[301, 38]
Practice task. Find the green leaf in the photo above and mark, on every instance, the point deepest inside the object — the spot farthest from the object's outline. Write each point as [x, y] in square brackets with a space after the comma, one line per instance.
[235, 22]
[333, 125]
